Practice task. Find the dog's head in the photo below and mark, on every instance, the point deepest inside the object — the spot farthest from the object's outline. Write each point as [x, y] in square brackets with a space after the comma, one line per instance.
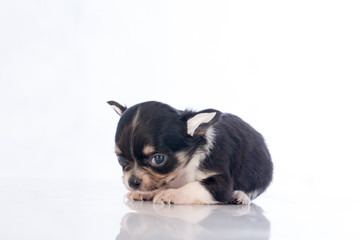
[155, 141]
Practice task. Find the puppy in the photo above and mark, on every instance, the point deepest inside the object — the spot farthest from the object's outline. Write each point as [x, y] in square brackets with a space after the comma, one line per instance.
[186, 157]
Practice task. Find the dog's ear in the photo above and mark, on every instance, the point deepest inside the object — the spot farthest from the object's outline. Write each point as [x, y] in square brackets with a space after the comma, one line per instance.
[198, 123]
[117, 107]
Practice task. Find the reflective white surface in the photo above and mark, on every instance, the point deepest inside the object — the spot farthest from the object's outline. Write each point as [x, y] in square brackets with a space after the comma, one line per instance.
[194, 222]
[96, 209]
[289, 68]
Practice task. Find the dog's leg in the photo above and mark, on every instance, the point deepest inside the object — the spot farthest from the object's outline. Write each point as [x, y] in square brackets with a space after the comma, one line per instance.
[239, 197]
[191, 193]
[139, 196]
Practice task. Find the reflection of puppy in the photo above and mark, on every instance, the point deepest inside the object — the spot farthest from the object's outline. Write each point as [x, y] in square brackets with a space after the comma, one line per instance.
[185, 157]
[194, 222]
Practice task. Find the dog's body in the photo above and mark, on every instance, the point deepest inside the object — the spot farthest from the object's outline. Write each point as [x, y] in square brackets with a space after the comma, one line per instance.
[184, 157]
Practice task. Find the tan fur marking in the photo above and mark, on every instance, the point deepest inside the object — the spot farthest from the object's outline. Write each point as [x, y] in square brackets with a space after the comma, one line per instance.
[126, 177]
[117, 151]
[148, 149]
[150, 180]
[134, 124]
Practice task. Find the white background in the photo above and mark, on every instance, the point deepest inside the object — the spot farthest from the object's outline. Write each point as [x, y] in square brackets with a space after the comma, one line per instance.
[289, 68]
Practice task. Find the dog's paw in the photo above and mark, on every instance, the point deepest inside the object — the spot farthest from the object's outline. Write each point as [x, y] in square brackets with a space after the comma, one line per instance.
[191, 193]
[138, 196]
[169, 196]
[239, 197]
[176, 196]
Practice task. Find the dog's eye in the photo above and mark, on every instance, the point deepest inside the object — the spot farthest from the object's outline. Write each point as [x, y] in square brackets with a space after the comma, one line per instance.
[121, 161]
[158, 159]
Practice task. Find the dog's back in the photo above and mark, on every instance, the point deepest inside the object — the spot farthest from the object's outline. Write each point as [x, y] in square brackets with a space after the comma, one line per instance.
[240, 151]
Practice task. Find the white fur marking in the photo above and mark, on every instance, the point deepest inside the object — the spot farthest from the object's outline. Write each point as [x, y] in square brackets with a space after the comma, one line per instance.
[252, 195]
[118, 110]
[240, 197]
[210, 137]
[191, 172]
[194, 122]
[188, 173]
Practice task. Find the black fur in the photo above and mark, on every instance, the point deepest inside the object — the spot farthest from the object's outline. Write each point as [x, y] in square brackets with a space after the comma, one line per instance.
[239, 154]
[160, 126]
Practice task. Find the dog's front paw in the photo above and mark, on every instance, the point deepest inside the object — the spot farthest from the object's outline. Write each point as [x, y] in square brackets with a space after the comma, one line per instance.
[175, 196]
[138, 196]
[169, 196]
[191, 193]
[239, 197]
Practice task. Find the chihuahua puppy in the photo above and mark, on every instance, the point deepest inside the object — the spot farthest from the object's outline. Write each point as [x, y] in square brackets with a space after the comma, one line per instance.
[187, 157]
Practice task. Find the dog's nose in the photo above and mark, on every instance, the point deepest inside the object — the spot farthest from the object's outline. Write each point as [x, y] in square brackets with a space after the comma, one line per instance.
[134, 182]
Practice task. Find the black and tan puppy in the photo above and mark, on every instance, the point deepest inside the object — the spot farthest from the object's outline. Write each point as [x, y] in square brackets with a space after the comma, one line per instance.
[185, 157]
